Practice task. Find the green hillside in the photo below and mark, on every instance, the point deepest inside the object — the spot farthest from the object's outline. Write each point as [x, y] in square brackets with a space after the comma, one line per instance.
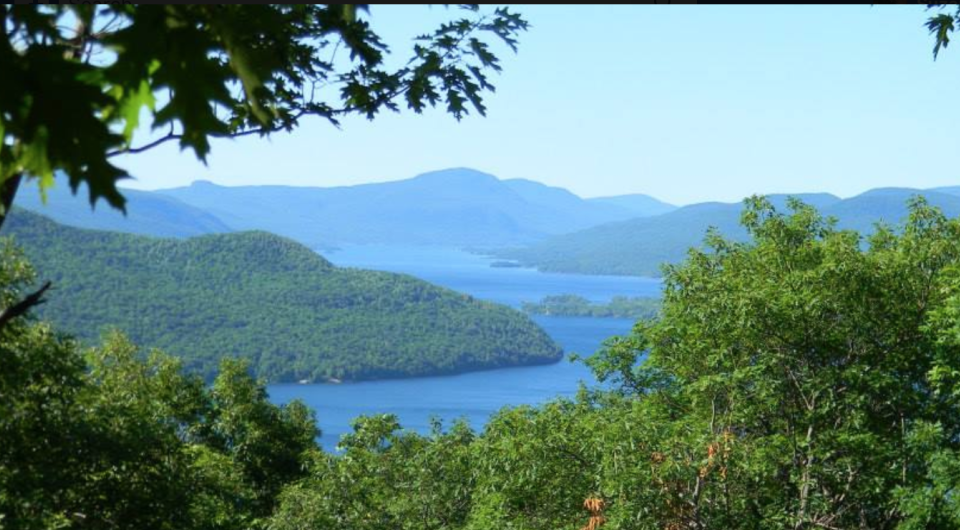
[271, 300]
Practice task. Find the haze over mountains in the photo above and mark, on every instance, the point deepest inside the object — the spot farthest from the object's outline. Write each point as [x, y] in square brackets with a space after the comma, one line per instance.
[950, 190]
[537, 225]
[453, 207]
[148, 213]
[639, 246]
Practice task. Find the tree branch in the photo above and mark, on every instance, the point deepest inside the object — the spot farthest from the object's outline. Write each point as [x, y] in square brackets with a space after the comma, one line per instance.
[20, 308]
[142, 148]
[172, 136]
[330, 114]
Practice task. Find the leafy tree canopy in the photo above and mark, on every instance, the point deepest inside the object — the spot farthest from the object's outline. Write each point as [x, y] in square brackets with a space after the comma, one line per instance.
[831, 368]
[77, 78]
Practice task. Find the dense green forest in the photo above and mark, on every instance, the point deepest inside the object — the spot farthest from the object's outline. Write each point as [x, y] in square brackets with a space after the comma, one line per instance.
[270, 300]
[800, 380]
[640, 246]
[799, 375]
[572, 305]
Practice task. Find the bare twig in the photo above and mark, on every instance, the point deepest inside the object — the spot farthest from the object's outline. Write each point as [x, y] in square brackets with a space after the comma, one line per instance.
[20, 308]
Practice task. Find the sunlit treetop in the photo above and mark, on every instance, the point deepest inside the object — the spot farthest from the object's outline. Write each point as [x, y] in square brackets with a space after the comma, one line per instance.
[77, 77]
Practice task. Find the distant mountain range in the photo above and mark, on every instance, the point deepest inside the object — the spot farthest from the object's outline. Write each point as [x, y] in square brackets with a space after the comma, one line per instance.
[453, 207]
[148, 213]
[639, 246]
[636, 202]
[521, 220]
[950, 190]
[266, 298]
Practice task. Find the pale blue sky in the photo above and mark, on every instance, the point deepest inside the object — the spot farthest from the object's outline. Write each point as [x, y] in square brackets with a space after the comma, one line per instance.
[686, 103]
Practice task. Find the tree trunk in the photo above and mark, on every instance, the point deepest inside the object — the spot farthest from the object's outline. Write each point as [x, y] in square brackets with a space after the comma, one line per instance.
[8, 190]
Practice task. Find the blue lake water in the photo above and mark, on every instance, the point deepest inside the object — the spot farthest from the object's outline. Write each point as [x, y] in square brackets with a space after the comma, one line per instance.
[474, 396]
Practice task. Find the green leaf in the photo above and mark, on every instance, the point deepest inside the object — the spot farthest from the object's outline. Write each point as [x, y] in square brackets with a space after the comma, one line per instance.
[130, 106]
[941, 26]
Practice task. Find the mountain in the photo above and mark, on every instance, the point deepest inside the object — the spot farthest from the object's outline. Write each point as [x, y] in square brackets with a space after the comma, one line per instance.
[641, 205]
[589, 211]
[639, 246]
[147, 213]
[453, 207]
[949, 190]
[889, 205]
[271, 300]
[634, 247]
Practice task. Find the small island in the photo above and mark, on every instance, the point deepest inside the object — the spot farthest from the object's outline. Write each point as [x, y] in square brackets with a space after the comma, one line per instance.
[571, 305]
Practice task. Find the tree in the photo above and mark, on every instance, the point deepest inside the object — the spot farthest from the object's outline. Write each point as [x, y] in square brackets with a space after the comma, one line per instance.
[831, 371]
[108, 438]
[77, 78]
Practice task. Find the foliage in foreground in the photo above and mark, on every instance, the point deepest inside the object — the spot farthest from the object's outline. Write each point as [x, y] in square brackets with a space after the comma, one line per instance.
[106, 440]
[797, 381]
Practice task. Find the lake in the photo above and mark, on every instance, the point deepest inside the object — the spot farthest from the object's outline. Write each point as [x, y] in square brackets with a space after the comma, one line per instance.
[474, 396]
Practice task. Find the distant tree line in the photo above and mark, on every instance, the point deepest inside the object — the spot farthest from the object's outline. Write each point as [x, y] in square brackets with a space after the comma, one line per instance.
[638, 307]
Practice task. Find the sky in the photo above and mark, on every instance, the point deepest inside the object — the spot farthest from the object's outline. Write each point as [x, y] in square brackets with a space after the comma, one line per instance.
[687, 103]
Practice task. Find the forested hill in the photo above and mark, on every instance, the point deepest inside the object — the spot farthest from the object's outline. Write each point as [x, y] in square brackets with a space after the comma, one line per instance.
[640, 246]
[271, 300]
